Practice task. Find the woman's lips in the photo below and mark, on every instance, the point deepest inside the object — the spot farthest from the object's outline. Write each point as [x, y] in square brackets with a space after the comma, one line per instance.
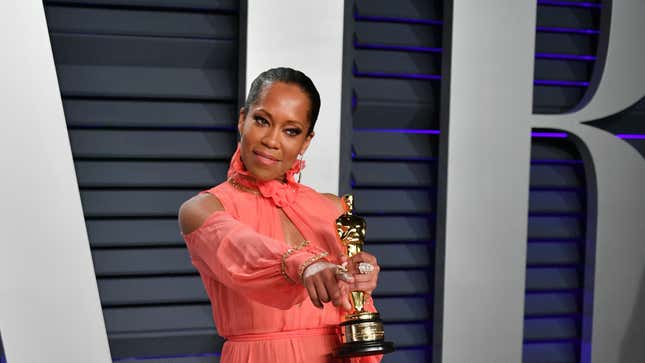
[265, 159]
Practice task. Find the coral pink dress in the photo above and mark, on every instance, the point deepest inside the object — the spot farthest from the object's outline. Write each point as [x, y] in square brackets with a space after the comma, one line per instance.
[257, 306]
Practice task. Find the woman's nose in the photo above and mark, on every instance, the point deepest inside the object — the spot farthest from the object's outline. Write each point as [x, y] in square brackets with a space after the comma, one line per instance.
[270, 138]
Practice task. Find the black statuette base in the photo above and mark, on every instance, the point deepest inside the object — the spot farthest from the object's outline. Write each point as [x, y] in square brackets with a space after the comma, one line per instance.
[359, 349]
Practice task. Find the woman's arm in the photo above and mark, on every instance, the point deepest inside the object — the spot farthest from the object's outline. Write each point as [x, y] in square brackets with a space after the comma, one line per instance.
[262, 268]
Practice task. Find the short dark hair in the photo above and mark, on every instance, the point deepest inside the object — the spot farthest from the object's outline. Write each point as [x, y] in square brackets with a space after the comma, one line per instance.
[291, 76]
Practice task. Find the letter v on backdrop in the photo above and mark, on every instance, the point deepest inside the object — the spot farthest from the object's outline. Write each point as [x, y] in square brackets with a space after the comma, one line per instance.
[484, 181]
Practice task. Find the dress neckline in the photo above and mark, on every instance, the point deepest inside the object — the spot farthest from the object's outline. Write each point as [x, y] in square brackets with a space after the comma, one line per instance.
[282, 194]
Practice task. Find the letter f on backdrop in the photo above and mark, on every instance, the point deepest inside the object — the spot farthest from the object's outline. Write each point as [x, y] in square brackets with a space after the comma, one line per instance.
[484, 183]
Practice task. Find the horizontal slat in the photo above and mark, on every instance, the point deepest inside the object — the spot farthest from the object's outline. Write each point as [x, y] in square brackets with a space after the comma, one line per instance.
[147, 82]
[222, 5]
[406, 9]
[388, 145]
[401, 255]
[411, 201]
[396, 90]
[142, 261]
[156, 174]
[423, 354]
[409, 308]
[406, 35]
[397, 229]
[394, 174]
[189, 289]
[393, 201]
[418, 228]
[151, 290]
[554, 253]
[134, 232]
[92, 49]
[551, 352]
[158, 318]
[423, 174]
[367, 61]
[408, 335]
[551, 303]
[150, 114]
[552, 278]
[555, 202]
[556, 176]
[396, 115]
[140, 22]
[166, 343]
[152, 144]
[551, 227]
[134, 203]
[569, 17]
[553, 149]
[551, 328]
[565, 43]
[556, 99]
[562, 70]
[376, 145]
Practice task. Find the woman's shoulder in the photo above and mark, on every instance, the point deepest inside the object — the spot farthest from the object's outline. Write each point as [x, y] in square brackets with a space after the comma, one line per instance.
[193, 212]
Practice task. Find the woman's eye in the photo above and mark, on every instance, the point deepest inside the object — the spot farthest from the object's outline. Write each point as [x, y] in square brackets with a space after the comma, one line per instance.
[261, 121]
[293, 132]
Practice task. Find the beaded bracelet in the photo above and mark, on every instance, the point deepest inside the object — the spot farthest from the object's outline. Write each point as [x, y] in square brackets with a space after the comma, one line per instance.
[308, 262]
[283, 264]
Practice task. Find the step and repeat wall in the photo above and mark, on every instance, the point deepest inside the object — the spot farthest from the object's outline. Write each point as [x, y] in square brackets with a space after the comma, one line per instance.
[151, 91]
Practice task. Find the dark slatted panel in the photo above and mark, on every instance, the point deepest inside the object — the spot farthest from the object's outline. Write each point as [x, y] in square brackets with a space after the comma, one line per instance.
[394, 83]
[565, 56]
[149, 91]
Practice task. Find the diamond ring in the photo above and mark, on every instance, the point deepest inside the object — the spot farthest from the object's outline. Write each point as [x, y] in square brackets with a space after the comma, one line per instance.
[365, 267]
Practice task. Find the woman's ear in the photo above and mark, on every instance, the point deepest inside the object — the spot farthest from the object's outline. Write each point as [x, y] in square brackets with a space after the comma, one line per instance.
[306, 143]
[240, 121]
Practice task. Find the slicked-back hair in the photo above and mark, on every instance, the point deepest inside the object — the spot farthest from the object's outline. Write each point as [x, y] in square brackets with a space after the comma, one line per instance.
[290, 76]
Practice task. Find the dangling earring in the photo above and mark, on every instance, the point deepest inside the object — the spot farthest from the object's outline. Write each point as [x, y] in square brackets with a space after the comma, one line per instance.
[299, 167]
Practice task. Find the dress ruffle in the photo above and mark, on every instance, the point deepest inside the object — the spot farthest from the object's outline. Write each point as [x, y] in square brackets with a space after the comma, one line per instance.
[281, 193]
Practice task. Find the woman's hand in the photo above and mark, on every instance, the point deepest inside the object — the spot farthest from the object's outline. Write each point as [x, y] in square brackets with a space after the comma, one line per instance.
[363, 281]
[325, 284]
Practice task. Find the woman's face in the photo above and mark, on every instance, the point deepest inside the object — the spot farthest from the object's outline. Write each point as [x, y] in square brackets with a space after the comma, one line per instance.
[274, 131]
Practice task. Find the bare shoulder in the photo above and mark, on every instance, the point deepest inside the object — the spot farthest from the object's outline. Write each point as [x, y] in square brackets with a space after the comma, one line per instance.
[195, 210]
[336, 200]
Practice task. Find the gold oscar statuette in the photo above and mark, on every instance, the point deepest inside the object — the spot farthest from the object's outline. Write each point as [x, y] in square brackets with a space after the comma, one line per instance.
[361, 333]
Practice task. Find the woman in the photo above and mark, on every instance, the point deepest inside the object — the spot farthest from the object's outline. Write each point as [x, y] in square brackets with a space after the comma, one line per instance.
[265, 245]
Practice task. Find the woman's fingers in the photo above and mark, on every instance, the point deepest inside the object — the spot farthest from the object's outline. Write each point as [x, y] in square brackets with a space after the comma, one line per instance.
[313, 295]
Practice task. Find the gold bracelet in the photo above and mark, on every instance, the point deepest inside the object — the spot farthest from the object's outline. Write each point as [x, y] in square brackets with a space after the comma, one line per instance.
[283, 264]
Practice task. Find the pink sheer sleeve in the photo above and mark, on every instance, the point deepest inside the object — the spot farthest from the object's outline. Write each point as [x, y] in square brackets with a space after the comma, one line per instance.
[262, 268]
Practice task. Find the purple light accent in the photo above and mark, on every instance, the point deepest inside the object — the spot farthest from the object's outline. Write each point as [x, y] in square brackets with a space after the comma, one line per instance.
[565, 56]
[387, 19]
[564, 162]
[402, 131]
[570, 4]
[171, 356]
[437, 132]
[552, 341]
[560, 135]
[543, 82]
[397, 47]
[574, 291]
[416, 76]
[631, 136]
[552, 316]
[552, 29]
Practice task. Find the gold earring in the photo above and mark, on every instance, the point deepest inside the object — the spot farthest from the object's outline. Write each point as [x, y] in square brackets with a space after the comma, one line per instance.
[299, 167]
